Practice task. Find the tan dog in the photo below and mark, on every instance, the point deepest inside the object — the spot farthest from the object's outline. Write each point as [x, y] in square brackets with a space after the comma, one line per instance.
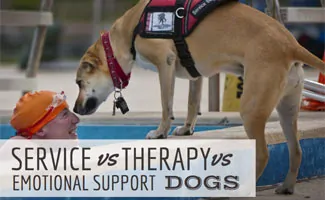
[246, 42]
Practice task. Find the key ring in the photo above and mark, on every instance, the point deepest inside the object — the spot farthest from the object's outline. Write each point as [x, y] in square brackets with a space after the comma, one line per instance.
[116, 92]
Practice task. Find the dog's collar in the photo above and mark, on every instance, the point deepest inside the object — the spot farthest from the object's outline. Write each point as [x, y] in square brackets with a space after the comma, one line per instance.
[120, 79]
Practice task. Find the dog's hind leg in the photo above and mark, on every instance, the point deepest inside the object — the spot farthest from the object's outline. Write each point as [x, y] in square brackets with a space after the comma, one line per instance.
[288, 109]
[263, 86]
[194, 101]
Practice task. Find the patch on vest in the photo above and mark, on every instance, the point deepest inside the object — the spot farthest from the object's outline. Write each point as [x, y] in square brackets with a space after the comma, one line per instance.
[160, 22]
[168, 19]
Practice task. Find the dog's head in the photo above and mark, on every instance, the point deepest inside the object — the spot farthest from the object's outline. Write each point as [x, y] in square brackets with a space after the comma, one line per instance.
[93, 79]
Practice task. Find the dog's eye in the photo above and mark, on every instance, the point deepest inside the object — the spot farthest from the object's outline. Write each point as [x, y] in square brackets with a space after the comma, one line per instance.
[87, 65]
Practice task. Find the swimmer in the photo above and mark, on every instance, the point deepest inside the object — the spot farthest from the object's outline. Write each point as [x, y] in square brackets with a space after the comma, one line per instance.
[44, 115]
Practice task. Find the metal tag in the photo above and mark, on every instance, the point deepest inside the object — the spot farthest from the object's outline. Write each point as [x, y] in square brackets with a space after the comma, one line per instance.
[122, 105]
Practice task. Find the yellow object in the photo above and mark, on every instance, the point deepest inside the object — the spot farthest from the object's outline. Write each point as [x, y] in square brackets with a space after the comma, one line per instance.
[232, 93]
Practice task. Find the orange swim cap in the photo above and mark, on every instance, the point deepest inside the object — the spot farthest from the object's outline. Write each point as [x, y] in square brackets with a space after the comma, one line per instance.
[36, 109]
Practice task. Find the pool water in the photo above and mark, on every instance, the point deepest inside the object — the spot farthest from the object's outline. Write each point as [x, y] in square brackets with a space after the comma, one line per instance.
[110, 131]
[313, 158]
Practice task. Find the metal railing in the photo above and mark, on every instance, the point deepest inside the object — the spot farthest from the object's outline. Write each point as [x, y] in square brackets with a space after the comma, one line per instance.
[41, 20]
[312, 89]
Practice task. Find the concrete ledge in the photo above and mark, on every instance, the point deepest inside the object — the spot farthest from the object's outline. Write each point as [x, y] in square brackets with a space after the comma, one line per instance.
[153, 118]
[150, 118]
[274, 135]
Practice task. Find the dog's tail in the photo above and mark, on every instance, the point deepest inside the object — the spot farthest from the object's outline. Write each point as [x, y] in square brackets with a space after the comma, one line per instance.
[303, 55]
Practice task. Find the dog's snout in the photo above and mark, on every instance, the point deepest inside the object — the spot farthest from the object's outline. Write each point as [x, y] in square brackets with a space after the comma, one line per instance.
[78, 108]
[88, 108]
[91, 104]
[75, 108]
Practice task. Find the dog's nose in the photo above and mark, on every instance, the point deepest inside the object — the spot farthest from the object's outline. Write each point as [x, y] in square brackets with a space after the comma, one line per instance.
[78, 109]
[91, 104]
[75, 109]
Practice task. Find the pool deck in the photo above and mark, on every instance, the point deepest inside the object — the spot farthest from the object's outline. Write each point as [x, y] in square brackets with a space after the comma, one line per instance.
[310, 125]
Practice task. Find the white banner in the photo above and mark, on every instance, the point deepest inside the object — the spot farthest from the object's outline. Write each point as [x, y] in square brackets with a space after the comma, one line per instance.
[127, 168]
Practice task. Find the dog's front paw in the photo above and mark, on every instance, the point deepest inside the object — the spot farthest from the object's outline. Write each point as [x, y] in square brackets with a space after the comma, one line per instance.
[284, 190]
[154, 134]
[182, 130]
